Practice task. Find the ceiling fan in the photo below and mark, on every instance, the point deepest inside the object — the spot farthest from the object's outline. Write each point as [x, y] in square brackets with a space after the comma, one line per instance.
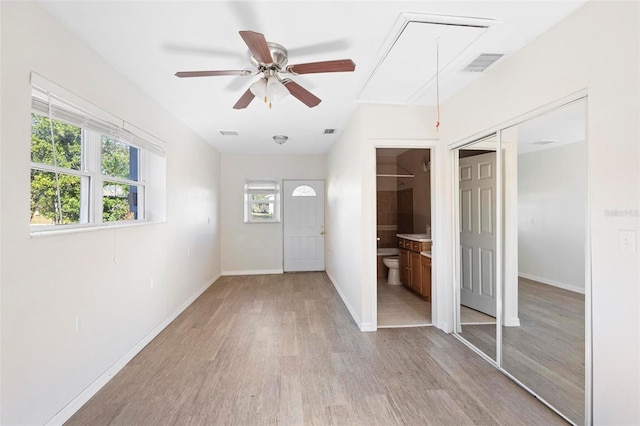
[270, 59]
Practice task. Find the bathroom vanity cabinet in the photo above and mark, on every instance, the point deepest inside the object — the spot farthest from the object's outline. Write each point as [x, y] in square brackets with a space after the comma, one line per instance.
[415, 269]
[425, 274]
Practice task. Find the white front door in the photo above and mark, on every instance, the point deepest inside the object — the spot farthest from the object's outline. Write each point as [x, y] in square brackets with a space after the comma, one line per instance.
[478, 232]
[303, 225]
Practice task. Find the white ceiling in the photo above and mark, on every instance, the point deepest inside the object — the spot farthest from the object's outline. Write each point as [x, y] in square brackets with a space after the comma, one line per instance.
[557, 127]
[393, 48]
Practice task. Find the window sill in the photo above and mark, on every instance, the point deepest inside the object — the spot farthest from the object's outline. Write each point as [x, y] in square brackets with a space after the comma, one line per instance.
[75, 229]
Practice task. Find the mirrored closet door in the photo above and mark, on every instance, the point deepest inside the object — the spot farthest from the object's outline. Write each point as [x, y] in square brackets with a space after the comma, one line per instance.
[545, 205]
[523, 256]
[477, 295]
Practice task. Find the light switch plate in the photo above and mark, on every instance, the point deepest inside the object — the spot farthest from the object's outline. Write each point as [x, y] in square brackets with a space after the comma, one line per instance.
[628, 241]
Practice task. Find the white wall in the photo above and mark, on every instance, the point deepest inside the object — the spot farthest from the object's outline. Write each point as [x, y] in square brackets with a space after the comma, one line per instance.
[343, 222]
[509, 143]
[559, 63]
[551, 211]
[46, 281]
[255, 248]
[351, 197]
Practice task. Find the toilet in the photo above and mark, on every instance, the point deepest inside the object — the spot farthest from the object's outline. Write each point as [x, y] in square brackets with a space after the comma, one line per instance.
[393, 263]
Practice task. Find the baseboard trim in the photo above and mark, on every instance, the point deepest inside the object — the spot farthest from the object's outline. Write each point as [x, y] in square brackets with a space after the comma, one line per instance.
[367, 326]
[72, 407]
[512, 322]
[552, 283]
[356, 318]
[253, 272]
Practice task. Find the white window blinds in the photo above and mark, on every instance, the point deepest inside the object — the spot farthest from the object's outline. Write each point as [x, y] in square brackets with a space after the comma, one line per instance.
[72, 109]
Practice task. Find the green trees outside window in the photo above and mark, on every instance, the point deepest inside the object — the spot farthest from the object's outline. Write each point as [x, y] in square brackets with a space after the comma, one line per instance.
[61, 182]
[262, 202]
[45, 206]
[119, 201]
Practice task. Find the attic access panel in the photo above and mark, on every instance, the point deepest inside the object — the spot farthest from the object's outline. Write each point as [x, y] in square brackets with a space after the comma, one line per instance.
[409, 62]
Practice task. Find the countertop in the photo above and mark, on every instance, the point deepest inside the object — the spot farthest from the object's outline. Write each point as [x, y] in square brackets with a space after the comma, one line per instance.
[426, 254]
[423, 238]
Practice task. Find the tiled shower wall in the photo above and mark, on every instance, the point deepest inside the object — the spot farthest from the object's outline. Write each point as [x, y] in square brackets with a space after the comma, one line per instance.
[387, 213]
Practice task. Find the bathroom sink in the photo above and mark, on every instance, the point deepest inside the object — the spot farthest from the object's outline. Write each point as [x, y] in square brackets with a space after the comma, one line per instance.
[421, 236]
[415, 237]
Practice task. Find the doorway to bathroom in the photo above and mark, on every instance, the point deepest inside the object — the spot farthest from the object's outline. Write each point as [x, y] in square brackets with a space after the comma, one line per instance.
[403, 237]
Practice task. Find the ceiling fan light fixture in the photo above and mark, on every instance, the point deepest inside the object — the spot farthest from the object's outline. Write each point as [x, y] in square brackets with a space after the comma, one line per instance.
[259, 88]
[280, 139]
[269, 89]
[275, 89]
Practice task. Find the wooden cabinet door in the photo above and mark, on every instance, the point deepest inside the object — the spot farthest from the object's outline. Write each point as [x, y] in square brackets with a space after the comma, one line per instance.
[404, 267]
[425, 269]
[414, 271]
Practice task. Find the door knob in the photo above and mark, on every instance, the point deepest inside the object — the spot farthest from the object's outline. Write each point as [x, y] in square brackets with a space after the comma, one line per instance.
[321, 232]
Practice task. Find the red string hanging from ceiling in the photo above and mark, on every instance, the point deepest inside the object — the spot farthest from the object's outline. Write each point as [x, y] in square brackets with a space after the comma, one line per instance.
[438, 83]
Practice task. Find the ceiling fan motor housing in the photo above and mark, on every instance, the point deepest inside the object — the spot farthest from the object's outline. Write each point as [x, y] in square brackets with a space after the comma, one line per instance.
[279, 55]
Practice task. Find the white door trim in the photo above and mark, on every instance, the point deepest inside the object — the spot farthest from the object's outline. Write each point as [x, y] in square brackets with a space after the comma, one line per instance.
[370, 297]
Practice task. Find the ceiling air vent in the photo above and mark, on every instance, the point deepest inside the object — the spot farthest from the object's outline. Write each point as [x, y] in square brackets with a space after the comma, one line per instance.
[228, 132]
[482, 62]
[329, 131]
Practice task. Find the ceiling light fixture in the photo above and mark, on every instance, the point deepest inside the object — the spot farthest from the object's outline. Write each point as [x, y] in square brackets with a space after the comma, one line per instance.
[280, 139]
[269, 88]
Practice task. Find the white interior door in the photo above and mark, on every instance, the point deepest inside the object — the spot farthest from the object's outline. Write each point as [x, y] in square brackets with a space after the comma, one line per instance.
[478, 232]
[303, 225]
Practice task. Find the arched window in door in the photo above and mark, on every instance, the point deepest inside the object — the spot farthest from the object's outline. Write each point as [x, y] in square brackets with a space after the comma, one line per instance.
[304, 191]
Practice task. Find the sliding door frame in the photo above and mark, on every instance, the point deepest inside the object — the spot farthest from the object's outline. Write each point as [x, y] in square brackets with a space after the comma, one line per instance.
[497, 130]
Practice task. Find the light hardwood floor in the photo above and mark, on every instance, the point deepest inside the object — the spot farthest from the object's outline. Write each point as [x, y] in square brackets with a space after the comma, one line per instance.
[283, 349]
[471, 316]
[546, 352]
[400, 307]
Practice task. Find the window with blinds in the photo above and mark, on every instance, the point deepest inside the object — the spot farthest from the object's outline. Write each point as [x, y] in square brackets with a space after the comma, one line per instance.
[86, 170]
[261, 202]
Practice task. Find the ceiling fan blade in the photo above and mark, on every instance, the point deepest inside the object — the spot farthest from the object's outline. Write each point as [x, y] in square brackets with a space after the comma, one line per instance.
[183, 74]
[258, 46]
[340, 65]
[305, 96]
[244, 100]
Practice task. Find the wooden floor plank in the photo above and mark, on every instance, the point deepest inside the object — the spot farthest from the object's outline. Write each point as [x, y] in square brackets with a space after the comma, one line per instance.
[546, 352]
[282, 349]
[400, 307]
